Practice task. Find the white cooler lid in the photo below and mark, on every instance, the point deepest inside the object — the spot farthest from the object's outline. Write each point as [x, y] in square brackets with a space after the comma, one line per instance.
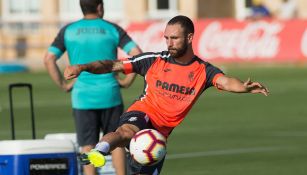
[62, 136]
[14, 147]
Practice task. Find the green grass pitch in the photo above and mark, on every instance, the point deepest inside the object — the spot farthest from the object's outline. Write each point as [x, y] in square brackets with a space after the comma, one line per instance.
[224, 134]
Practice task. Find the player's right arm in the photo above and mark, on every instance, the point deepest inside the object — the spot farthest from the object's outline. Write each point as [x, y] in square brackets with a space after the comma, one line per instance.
[98, 67]
[129, 78]
[138, 64]
[54, 52]
[132, 49]
[55, 73]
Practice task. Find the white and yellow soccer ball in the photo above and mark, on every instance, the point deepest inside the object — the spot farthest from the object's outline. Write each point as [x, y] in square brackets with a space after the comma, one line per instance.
[148, 147]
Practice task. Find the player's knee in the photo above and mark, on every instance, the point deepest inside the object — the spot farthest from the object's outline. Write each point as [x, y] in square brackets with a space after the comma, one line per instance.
[126, 132]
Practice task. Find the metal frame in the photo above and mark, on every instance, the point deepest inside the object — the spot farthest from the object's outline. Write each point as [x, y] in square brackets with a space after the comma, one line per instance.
[21, 85]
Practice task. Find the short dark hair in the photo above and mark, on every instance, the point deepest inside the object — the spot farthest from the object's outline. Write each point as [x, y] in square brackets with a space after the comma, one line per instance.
[90, 6]
[184, 21]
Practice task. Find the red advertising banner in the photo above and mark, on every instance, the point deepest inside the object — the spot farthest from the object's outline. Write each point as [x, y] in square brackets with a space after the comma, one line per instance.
[231, 40]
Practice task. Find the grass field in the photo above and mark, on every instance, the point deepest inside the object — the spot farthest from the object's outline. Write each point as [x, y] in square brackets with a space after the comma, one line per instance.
[224, 134]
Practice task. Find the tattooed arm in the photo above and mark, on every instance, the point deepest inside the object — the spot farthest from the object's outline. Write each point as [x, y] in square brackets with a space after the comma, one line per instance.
[98, 67]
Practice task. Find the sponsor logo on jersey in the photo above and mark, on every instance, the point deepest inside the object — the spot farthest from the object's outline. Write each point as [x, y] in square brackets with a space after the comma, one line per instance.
[175, 88]
[90, 30]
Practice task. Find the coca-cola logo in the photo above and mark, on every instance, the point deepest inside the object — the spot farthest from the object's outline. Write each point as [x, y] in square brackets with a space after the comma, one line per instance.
[255, 40]
[151, 39]
[304, 43]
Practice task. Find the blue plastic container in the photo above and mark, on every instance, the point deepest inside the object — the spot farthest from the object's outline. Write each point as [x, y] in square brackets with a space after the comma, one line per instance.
[107, 169]
[36, 157]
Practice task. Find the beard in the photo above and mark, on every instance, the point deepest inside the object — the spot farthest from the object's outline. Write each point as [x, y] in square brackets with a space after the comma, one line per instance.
[178, 52]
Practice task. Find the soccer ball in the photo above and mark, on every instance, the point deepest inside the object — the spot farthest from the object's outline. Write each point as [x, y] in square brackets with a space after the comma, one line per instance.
[148, 147]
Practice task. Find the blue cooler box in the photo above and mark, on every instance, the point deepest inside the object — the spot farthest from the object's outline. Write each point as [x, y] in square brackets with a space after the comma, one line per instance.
[37, 157]
[107, 169]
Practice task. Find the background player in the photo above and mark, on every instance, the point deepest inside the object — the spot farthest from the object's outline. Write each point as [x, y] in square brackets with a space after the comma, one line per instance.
[174, 81]
[96, 99]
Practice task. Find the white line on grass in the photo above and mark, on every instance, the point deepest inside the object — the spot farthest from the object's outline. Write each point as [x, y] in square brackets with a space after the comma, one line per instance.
[290, 134]
[222, 152]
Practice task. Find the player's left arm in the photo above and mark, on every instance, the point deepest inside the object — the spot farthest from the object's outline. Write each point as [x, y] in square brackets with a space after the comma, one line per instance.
[235, 85]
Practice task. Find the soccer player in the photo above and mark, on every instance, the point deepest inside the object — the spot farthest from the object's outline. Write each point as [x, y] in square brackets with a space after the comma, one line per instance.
[96, 100]
[174, 80]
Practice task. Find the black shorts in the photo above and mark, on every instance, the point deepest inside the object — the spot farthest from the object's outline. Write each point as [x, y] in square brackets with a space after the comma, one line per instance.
[89, 123]
[142, 121]
[137, 118]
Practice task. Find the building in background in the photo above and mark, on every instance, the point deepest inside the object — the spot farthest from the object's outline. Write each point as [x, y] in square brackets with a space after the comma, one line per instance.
[27, 26]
